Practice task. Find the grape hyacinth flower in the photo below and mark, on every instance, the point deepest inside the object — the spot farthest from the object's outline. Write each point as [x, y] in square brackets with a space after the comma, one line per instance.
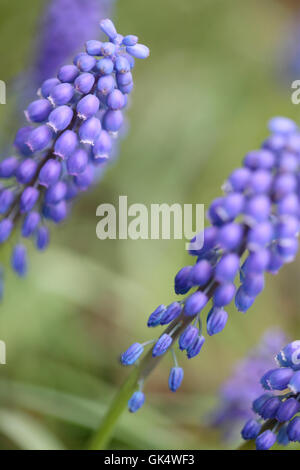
[243, 386]
[277, 410]
[70, 138]
[253, 231]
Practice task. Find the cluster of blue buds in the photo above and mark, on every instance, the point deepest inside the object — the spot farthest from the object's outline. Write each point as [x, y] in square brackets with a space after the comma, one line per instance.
[69, 139]
[253, 230]
[279, 406]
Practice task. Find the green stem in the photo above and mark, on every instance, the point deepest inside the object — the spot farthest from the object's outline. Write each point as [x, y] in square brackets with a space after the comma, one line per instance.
[247, 445]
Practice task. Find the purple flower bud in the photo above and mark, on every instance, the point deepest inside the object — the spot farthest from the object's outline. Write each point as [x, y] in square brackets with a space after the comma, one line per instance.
[108, 49]
[283, 185]
[201, 273]
[19, 260]
[270, 407]
[196, 347]
[116, 100]
[162, 345]
[93, 47]
[61, 94]
[139, 51]
[48, 86]
[282, 436]
[21, 139]
[122, 65]
[126, 89]
[154, 318]
[251, 429]
[216, 321]
[289, 356]
[42, 238]
[124, 79]
[258, 208]
[223, 294]
[57, 213]
[108, 28]
[136, 402]
[265, 440]
[84, 179]
[182, 280]
[172, 311]
[293, 429]
[60, 118]
[265, 379]
[263, 159]
[28, 199]
[77, 162]
[288, 162]
[68, 73]
[287, 410]
[287, 227]
[56, 193]
[278, 379]
[90, 130]
[260, 181]
[289, 205]
[131, 355]
[6, 200]
[86, 62]
[257, 262]
[242, 300]
[175, 378]
[287, 249]
[195, 303]
[39, 138]
[253, 284]
[105, 85]
[209, 236]
[26, 171]
[227, 268]
[50, 173]
[112, 120]
[8, 167]
[230, 236]
[6, 226]
[84, 83]
[260, 401]
[282, 125]
[38, 111]
[188, 337]
[294, 383]
[105, 66]
[87, 107]
[30, 224]
[103, 146]
[239, 178]
[130, 40]
[259, 236]
[275, 262]
[66, 144]
[275, 143]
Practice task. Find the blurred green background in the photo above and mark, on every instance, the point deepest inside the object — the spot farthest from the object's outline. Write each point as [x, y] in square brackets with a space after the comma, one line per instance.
[202, 100]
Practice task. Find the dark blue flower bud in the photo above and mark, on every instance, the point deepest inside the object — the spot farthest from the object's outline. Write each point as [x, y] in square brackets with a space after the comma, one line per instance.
[50, 172]
[6, 226]
[28, 199]
[19, 260]
[116, 100]
[26, 171]
[227, 268]
[48, 86]
[57, 213]
[289, 356]
[260, 401]
[294, 383]
[230, 236]
[108, 28]
[253, 284]
[103, 146]
[130, 40]
[216, 321]
[182, 280]
[105, 66]
[195, 303]
[93, 47]
[122, 65]
[8, 167]
[132, 354]
[30, 224]
[21, 139]
[84, 179]
[139, 51]
[243, 301]
[282, 125]
[209, 240]
[106, 84]
[90, 130]
[60, 118]
[287, 249]
[270, 407]
[77, 162]
[201, 273]
[66, 144]
[279, 379]
[42, 238]
[6, 200]
[136, 402]
[84, 83]
[251, 429]
[154, 318]
[287, 410]
[39, 138]
[196, 347]
[171, 312]
[86, 62]
[175, 378]
[265, 440]
[188, 337]
[162, 345]
[263, 159]
[61, 94]
[87, 107]
[293, 429]
[112, 120]
[68, 73]
[38, 111]
[223, 294]
[282, 436]
[257, 262]
[275, 262]
[56, 193]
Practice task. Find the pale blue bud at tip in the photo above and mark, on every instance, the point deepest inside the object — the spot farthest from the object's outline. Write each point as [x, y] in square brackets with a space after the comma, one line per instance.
[175, 378]
[282, 125]
[132, 354]
[130, 40]
[108, 28]
[136, 402]
[162, 345]
[139, 51]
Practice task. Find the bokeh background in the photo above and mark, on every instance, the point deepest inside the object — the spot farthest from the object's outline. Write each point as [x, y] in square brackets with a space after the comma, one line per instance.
[217, 72]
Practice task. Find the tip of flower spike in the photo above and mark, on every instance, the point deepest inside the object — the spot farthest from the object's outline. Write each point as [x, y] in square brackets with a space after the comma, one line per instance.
[108, 28]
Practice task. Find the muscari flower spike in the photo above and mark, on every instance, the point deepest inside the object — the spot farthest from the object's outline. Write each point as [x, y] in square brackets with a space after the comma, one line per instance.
[253, 231]
[69, 140]
[277, 410]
